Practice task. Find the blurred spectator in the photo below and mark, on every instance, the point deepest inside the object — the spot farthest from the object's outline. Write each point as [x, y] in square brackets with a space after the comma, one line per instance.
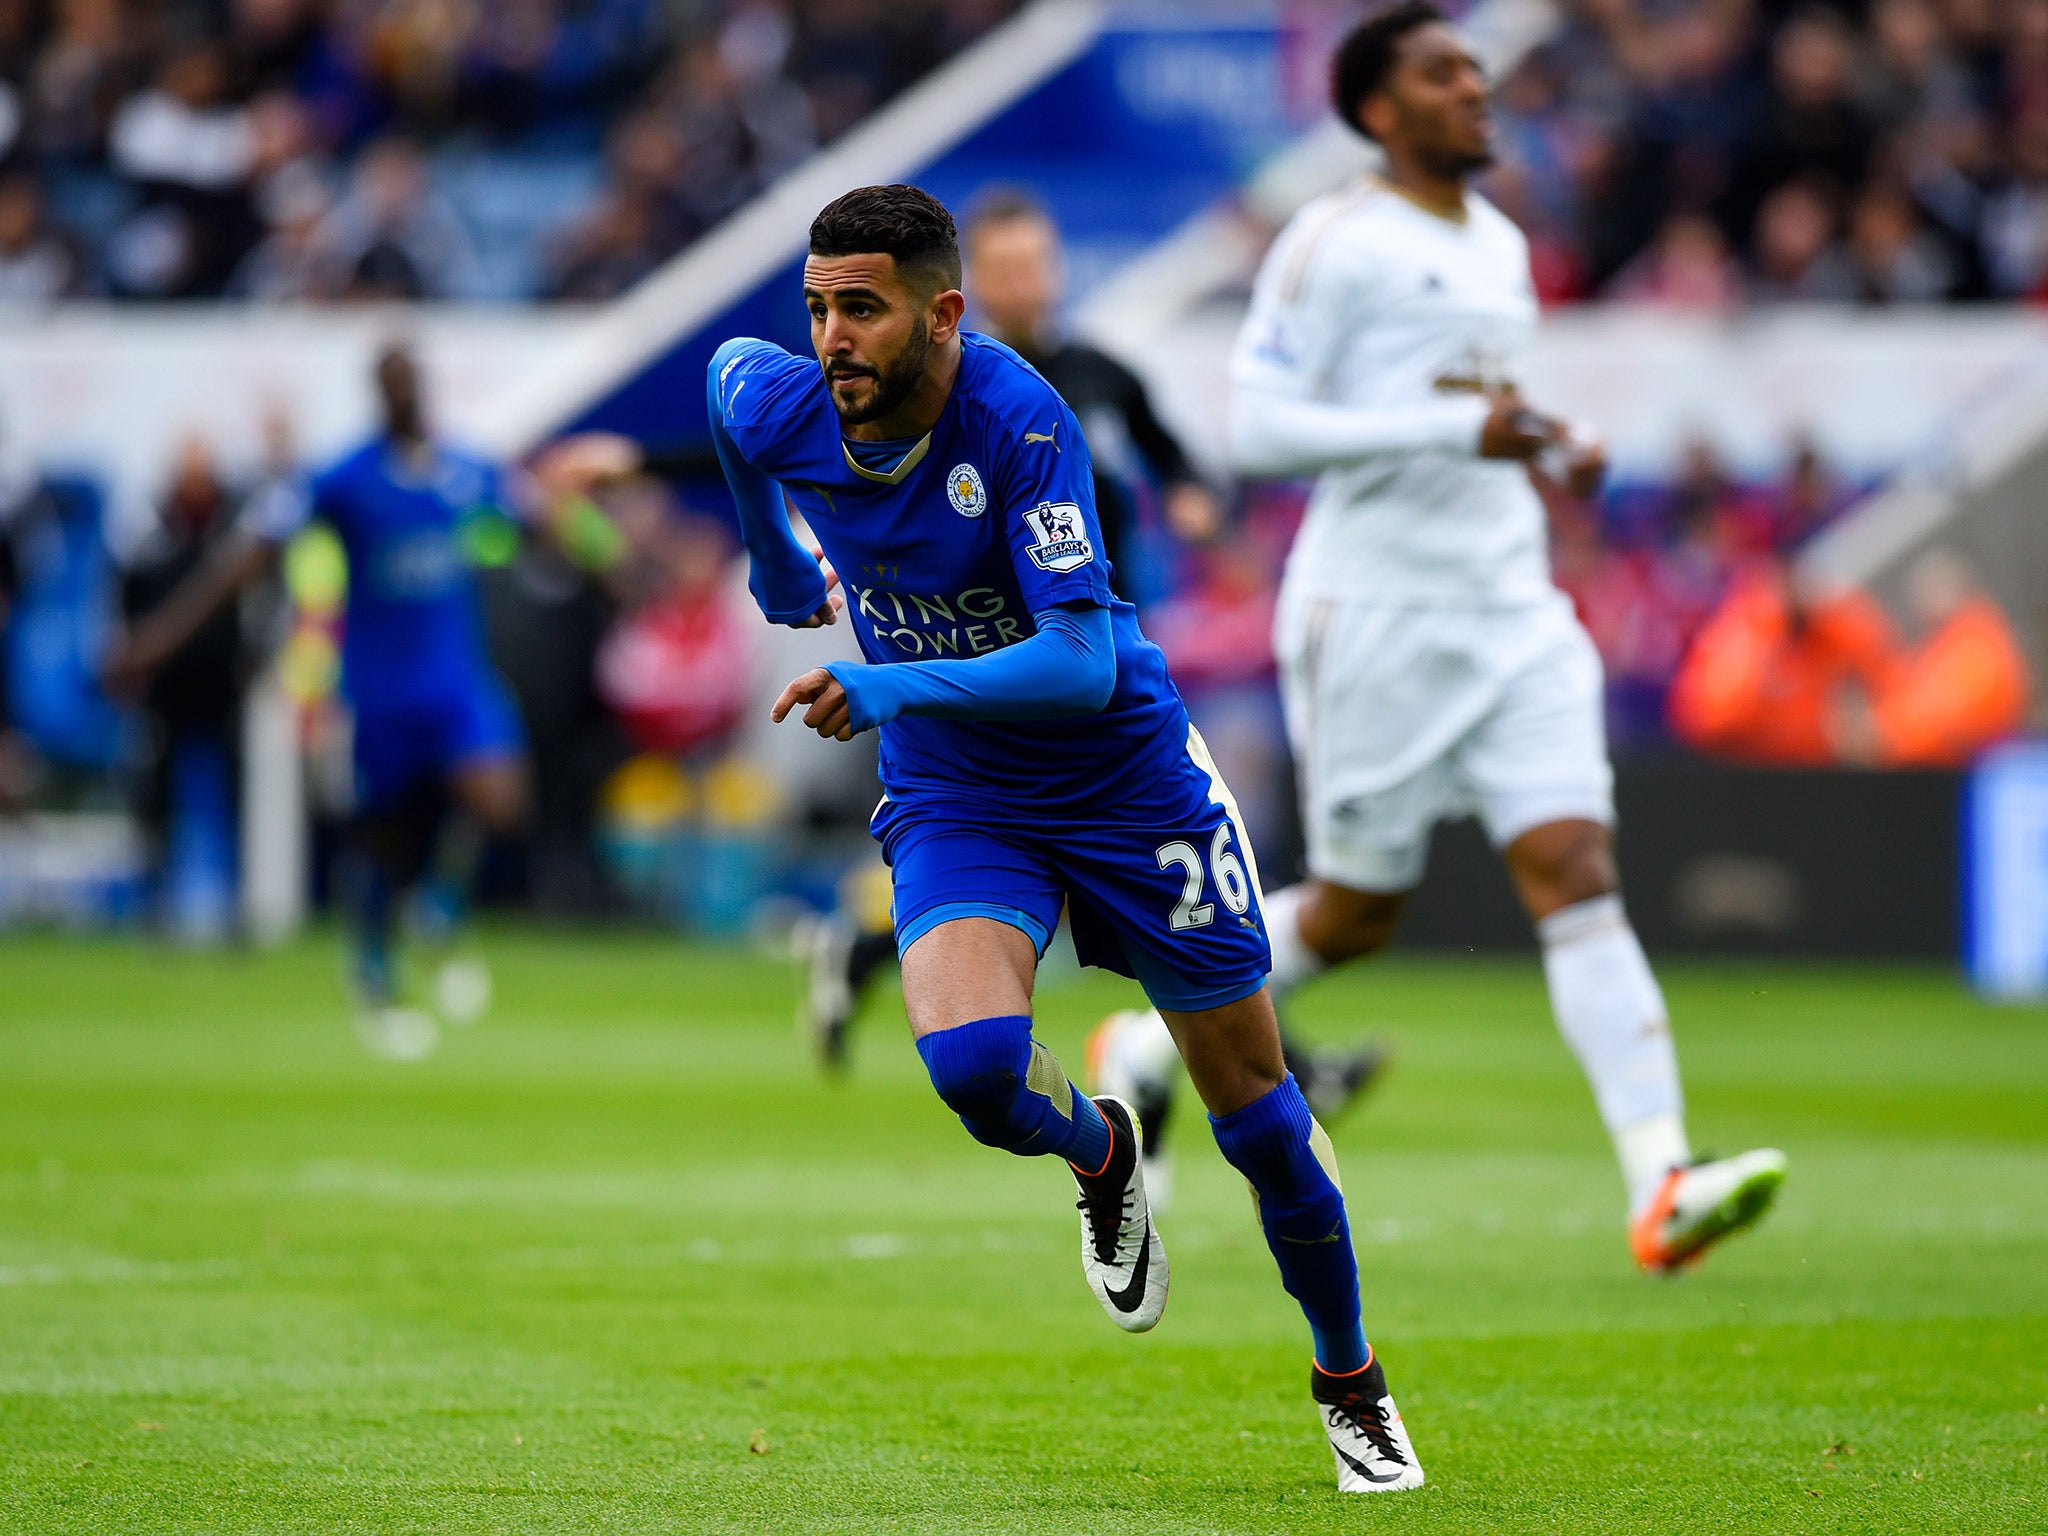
[1797, 257]
[645, 215]
[1761, 680]
[677, 668]
[2015, 231]
[90, 61]
[294, 262]
[1962, 688]
[21, 495]
[1807, 499]
[37, 264]
[190, 151]
[1688, 267]
[192, 706]
[394, 237]
[1814, 131]
[1015, 276]
[1892, 257]
[547, 609]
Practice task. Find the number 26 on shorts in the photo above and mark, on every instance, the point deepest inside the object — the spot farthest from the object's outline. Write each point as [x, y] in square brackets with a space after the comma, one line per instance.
[1191, 911]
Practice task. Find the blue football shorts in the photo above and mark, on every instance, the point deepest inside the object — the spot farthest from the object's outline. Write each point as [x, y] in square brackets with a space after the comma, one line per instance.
[1165, 890]
[400, 744]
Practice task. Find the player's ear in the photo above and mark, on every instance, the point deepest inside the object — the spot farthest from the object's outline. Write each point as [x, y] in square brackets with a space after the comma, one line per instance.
[1376, 115]
[943, 314]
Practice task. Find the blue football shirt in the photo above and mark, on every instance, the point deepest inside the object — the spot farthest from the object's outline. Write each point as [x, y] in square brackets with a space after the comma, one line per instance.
[946, 546]
[414, 628]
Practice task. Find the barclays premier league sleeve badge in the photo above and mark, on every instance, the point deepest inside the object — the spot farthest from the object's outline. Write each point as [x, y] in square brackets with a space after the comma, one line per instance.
[1059, 536]
[965, 490]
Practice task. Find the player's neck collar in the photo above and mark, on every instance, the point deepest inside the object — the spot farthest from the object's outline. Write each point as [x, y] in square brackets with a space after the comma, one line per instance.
[1460, 217]
[896, 476]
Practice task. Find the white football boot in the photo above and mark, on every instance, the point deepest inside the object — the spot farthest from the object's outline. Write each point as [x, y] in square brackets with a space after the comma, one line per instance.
[394, 1033]
[829, 1000]
[1131, 1056]
[1120, 1249]
[1367, 1437]
[462, 990]
[1696, 1207]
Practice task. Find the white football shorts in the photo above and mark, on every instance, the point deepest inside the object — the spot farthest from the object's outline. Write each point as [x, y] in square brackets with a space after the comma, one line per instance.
[1401, 717]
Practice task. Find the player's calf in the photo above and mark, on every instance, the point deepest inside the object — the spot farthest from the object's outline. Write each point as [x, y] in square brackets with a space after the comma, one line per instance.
[1287, 1159]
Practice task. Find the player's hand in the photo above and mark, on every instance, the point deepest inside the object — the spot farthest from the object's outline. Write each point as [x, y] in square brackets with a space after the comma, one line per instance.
[1513, 431]
[574, 465]
[828, 612]
[1585, 465]
[830, 713]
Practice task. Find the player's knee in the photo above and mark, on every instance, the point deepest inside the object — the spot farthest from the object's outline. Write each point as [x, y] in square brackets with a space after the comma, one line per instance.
[1563, 864]
[1349, 925]
[981, 1072]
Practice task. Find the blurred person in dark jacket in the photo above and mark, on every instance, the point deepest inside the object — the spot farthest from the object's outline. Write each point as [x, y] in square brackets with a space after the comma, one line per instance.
[1014, 277]
[192, 705]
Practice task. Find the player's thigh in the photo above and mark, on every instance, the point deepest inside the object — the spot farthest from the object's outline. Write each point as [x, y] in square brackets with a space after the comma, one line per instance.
[1540, 754]
[1173, 898]
[396, 759]
[482, 751]
[991, 902]
[1376, 701]
[1232, 1052]
[965, 969]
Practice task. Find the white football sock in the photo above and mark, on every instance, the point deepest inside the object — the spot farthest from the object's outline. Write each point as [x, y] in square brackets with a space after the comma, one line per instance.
[1144, 1048]
[1293, 961]
[1611, 1013]
[1649, 1150]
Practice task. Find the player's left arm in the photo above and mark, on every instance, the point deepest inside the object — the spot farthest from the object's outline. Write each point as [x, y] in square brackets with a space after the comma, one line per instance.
[1067, 668]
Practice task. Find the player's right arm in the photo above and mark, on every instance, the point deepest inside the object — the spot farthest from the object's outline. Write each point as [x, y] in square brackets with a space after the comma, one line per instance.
[273, 514]
[786, 579]
[1311, 298]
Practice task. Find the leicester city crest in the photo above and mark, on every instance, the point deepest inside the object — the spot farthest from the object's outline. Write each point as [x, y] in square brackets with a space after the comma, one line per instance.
[965, 490]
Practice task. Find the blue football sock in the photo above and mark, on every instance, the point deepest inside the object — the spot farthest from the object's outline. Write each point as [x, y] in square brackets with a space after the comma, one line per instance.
[1272, 1142]
[443, 898]
[1010, 1092]
[365, 891]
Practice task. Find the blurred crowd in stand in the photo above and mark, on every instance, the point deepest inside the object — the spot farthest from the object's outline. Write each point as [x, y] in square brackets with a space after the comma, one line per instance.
[1695, 153]
[336, 149]
[1707, 153]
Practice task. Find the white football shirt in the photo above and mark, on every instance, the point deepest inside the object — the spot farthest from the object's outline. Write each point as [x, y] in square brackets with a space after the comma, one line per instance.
[1384, 322]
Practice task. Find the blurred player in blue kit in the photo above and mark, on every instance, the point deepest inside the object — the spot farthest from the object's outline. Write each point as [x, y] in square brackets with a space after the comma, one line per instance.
[434, 728]
[1034, 755]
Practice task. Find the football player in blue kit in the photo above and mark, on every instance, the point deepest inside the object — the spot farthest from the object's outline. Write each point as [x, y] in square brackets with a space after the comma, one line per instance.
[433, 725]
[1034, 756]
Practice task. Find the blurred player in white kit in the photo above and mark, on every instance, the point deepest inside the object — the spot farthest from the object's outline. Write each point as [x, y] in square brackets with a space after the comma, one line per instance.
[1429, 667]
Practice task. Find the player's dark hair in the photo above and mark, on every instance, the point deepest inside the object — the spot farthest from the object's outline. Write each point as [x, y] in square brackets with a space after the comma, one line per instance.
[907, 223]
[1364, 59]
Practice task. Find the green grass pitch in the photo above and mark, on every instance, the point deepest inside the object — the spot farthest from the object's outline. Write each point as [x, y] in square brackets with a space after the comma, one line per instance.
[619, 1261]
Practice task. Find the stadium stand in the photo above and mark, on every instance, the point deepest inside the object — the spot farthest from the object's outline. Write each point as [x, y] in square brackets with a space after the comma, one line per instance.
[301, 150]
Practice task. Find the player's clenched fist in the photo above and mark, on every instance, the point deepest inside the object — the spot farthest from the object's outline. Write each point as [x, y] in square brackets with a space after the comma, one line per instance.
[829, 715]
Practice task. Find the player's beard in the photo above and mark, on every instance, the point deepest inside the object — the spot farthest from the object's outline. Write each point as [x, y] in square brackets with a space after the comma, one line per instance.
[894, 385]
